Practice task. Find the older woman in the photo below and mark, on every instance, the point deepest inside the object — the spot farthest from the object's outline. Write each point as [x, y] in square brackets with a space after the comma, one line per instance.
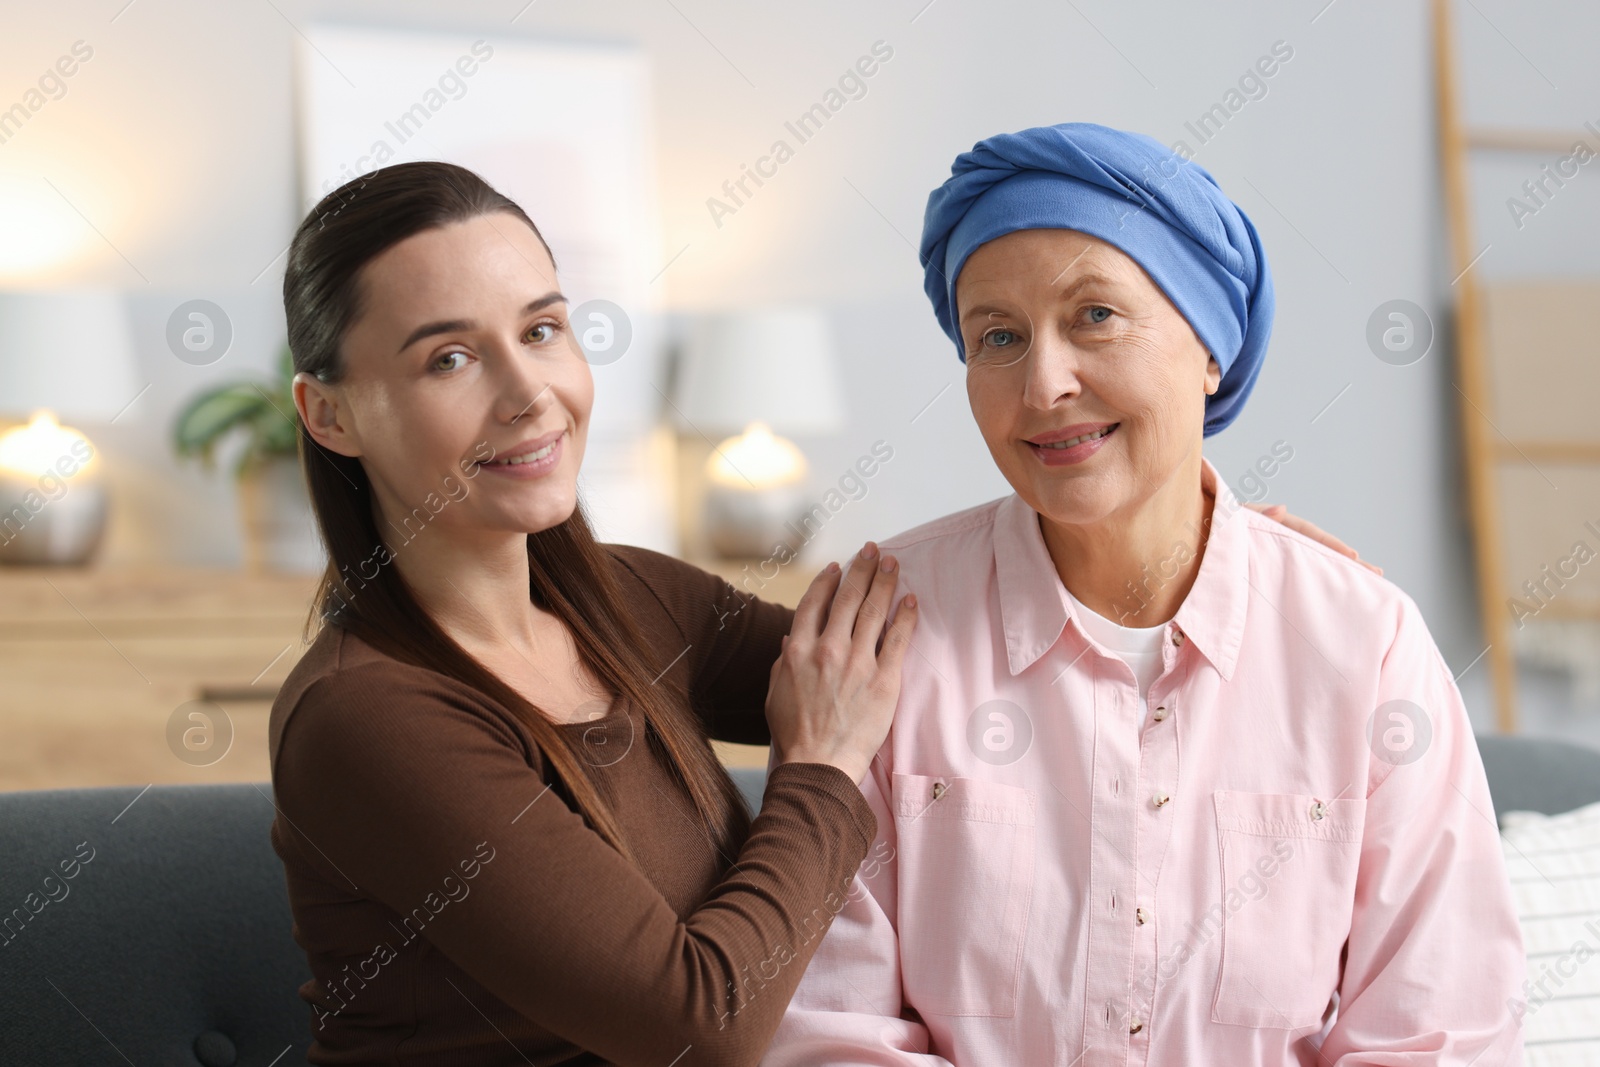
[1168, 782]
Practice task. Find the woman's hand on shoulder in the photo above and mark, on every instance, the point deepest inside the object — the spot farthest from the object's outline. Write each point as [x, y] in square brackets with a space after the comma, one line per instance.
[1280, 513]
[833, 690]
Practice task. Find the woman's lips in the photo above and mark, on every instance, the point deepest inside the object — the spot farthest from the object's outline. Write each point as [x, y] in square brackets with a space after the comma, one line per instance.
[537, 468]
[1053, 455]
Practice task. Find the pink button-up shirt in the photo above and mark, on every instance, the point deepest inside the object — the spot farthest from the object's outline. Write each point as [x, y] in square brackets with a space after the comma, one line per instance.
[1285, 854]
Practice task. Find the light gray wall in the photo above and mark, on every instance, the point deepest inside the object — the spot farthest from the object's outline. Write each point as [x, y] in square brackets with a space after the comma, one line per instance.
[175, 143]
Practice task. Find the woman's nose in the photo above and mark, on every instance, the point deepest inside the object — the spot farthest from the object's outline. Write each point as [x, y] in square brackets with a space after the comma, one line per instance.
[522, 389]
[1051, 372]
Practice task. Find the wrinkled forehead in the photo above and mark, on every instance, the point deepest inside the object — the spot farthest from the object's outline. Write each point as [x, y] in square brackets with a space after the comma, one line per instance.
[1040, 263]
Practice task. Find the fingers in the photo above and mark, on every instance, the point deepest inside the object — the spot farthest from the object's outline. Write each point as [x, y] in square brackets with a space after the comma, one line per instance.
[898, 639]
[811, 612]
[1311, 530]
[1316, 534]
[853, 589]
[874, 613]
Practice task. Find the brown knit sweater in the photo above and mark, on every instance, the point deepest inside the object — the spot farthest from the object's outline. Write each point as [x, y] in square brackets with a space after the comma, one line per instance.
[455, 911]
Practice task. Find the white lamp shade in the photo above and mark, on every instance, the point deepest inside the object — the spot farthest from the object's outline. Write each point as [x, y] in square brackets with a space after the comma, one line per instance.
[774, 366]
[69, 351]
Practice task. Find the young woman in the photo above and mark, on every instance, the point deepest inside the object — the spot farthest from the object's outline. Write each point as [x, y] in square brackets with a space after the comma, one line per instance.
[507, 839]
[506, 836]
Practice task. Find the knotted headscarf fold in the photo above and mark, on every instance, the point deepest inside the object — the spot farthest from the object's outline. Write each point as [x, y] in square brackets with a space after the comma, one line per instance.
[1166, 213]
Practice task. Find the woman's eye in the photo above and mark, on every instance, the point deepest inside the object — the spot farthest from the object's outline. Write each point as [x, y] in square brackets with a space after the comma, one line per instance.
[447, 355]
[1100, 318]
[548, 328]
[1000, 338]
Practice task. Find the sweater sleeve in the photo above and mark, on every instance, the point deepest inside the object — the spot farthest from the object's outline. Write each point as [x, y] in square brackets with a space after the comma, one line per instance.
[398, 783]
[730, 639]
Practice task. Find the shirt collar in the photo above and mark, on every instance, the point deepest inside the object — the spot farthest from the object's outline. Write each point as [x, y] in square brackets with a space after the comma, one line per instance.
[1034, 606]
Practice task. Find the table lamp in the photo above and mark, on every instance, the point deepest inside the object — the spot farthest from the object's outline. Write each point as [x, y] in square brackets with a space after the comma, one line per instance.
[757, 375]
[63, 356]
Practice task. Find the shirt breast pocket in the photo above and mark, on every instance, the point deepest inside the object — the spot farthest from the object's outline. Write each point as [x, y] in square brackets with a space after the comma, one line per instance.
[1289, 865]
[965, 856]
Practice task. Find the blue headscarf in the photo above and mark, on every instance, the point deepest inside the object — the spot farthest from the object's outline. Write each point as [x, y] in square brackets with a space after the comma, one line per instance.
[1127, 189]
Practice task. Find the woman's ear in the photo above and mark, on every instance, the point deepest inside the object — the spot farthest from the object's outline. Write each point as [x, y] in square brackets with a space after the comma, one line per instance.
[1213, 375]
[325, 415]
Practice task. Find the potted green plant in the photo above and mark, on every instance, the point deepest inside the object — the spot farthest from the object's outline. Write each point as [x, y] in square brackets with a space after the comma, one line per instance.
[280, 530]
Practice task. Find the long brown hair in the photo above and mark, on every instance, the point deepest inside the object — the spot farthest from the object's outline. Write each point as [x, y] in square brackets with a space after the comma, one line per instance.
[571, 572]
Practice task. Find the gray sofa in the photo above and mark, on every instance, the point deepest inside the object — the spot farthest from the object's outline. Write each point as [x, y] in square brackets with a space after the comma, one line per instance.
[170, 944]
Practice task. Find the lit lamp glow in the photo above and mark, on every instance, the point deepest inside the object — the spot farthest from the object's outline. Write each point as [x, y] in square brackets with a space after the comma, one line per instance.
[69, 353]
[765, 373]
[756, 485]
[756, 459]
[47, 466]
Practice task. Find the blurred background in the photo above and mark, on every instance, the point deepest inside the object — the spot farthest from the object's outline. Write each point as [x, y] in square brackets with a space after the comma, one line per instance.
[733, 193]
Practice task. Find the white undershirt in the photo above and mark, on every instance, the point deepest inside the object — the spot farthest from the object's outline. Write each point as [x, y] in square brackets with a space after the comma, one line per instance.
[1137, 646]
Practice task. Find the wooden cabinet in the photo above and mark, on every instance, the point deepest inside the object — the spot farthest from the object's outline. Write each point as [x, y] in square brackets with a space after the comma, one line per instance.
[97, 664]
